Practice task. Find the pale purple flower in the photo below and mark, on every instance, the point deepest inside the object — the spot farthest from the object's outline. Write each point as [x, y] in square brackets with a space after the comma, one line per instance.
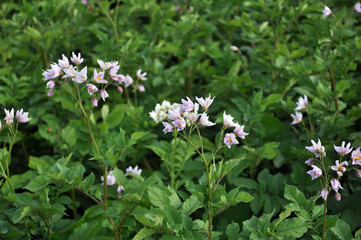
[342, 150]
[302, 103]
[76, 59]
[174, 115]
[315, 172]
[103, 65]
[120, 89]
[1, 128]
[239, 131]
[205, 103]
[84, 2]
[113, 74]
[324, 193]
[338, 196]
[9, 116]
[104, 94]
[180, 124]
[121, 78]
[357, 7]
[51, 73]
[192, 117]
[230, 139]
[339, 168]
[110, 179]
[336, 185]
[227, 121]
[114, 65]
[356, 157]
[134, 170]
[128, 80]
[141, 76]
[141, 88]
[317, 149]
[22, 117]
[91, 89]
[50, 84]
[63, 63]
[120, 189]
[326, 11]
[50, 93]
[99, 77]
[167, 127]
[95, 102]
[69, 72]
[297, 118]
[234, 48]
[81, 76]
[186, 106]
[310, 161]
[203, 121]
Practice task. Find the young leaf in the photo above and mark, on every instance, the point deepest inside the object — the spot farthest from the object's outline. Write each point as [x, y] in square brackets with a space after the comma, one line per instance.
[233, 231]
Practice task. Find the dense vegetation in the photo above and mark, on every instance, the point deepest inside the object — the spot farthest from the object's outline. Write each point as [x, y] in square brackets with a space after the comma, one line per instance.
[184, 119]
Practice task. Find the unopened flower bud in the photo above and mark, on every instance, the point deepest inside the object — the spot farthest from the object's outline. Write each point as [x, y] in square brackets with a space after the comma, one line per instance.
[234, 48]
[95, 102]
[141, 88]
[120, 89]
[49, 130]
[338, 197]
[358, 173]
[50, 93]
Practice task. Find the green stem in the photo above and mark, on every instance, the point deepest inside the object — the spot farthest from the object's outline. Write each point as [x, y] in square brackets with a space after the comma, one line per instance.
[112, 22]
[174, 146]
[324, 219]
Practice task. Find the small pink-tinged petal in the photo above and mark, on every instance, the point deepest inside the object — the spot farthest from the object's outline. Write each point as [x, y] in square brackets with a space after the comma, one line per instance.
[324, 193]
[338, 196]
[167, 127]
[95, 102]
[326, 11]
[91, 89]
[315, 172]
[357, 7]
[104, 94]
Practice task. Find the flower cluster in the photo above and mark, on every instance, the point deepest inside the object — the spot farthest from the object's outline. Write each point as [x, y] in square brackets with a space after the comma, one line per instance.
[327, 11]
[301, 105]
[339, 167]
[20, 115]
[67, 71]
[112, 181]
[178, 116]
[162, 110]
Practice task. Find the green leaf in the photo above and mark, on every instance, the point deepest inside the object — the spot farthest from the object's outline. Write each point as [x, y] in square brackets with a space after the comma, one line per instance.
[105, 112]
[143, 233]
[38, 183]
[342, 230]
[119, 176]
[293, 227]
[294, 195]
[283, 215]
[32, 33]
[20, 213]
[233, 231]
[157, 197]
[190, 205]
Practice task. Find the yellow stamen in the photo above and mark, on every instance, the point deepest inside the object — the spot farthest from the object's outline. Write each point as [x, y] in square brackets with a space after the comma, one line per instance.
[357, 158]
[297, 119]
[339, 168]
[229, 139]
[98, 78]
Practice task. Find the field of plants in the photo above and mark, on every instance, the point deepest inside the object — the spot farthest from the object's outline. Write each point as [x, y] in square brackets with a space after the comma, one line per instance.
[180, 119]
